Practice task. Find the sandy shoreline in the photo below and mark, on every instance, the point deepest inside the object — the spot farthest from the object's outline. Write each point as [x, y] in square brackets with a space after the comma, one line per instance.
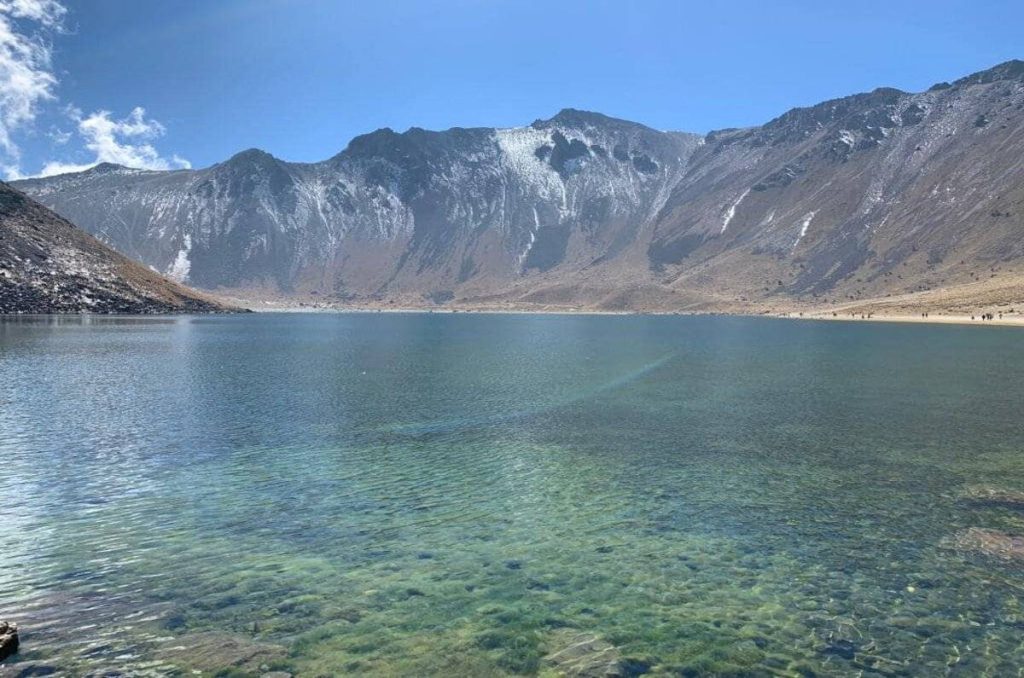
[1014, 320]
[955, 305]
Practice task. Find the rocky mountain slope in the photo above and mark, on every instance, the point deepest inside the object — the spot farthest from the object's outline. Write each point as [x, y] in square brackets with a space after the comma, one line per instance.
[49, 266]
[876, 194]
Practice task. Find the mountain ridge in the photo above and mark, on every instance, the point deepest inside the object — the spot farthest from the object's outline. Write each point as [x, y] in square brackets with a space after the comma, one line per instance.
[1007, 70]
[821, 204]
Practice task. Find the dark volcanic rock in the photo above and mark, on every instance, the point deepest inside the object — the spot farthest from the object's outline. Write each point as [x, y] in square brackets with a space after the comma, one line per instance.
[8, 639]
[49, 266]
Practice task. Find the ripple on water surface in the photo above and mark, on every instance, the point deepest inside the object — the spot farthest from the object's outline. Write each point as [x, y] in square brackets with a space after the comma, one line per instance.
[487, 495]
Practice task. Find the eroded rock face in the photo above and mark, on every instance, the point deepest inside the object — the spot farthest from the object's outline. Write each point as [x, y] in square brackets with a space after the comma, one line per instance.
[586, 655]
[413, 212]
[8, 639]
[991, 543]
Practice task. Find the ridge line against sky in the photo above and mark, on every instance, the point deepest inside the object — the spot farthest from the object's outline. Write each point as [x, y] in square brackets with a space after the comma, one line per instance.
[174, 83]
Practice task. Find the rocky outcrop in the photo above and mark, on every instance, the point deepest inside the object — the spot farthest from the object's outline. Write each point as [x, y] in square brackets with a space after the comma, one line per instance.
[9, 640]
[47, 265]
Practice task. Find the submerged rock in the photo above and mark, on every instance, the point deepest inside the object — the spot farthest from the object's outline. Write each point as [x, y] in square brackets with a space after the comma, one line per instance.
[222, 651]
[32, 670]
[585, 655]
[981, 494]
[841, 647]
[8, 639]
[990, 543]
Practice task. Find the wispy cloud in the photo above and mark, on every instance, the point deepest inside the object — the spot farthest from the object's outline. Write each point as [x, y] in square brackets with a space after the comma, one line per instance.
[47, 12]
[26, 78]
[59, 136]
[122, 142]
[27, 81]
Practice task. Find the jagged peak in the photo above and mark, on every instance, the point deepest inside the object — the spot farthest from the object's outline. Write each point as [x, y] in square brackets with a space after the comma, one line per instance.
[568, 115]
[1008, 70]
[799, 122]
[386, 142]
[379, 132]
[107, 167]
[415, 141]
[371, 143]
[576, 118]
[879, 95]
[250, 155]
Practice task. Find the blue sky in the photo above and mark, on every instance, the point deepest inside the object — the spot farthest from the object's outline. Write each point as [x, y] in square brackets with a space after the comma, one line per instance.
[299, 78]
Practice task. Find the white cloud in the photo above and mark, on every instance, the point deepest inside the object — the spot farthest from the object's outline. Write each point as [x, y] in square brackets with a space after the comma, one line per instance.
[57, 167]
[59, 136]
[26, 79]
[122, 142]
[47, 12]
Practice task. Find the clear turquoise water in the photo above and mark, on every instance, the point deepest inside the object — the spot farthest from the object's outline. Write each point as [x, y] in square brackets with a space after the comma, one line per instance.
[389, 494]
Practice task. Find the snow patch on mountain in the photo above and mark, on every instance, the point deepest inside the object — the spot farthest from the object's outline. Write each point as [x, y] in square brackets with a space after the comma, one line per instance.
[731, 212]
[179, 269]
[519, 153]
[804, 225]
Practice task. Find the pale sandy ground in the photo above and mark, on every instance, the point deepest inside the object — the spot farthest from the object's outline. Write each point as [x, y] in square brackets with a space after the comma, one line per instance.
[1014, 320]
[1003, 298]
[962, 304]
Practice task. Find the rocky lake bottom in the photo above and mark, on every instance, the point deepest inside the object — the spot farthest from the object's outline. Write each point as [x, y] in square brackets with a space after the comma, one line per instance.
[489, 495]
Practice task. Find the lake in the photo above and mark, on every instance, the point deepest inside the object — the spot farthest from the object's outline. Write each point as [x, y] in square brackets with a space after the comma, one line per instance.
[470, 494]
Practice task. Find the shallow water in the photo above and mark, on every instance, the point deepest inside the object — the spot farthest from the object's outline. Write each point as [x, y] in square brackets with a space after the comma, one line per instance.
[423, 494]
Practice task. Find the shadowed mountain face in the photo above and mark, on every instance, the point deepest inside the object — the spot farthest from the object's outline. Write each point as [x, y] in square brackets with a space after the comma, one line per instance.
[874, 194]
[49, 266]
